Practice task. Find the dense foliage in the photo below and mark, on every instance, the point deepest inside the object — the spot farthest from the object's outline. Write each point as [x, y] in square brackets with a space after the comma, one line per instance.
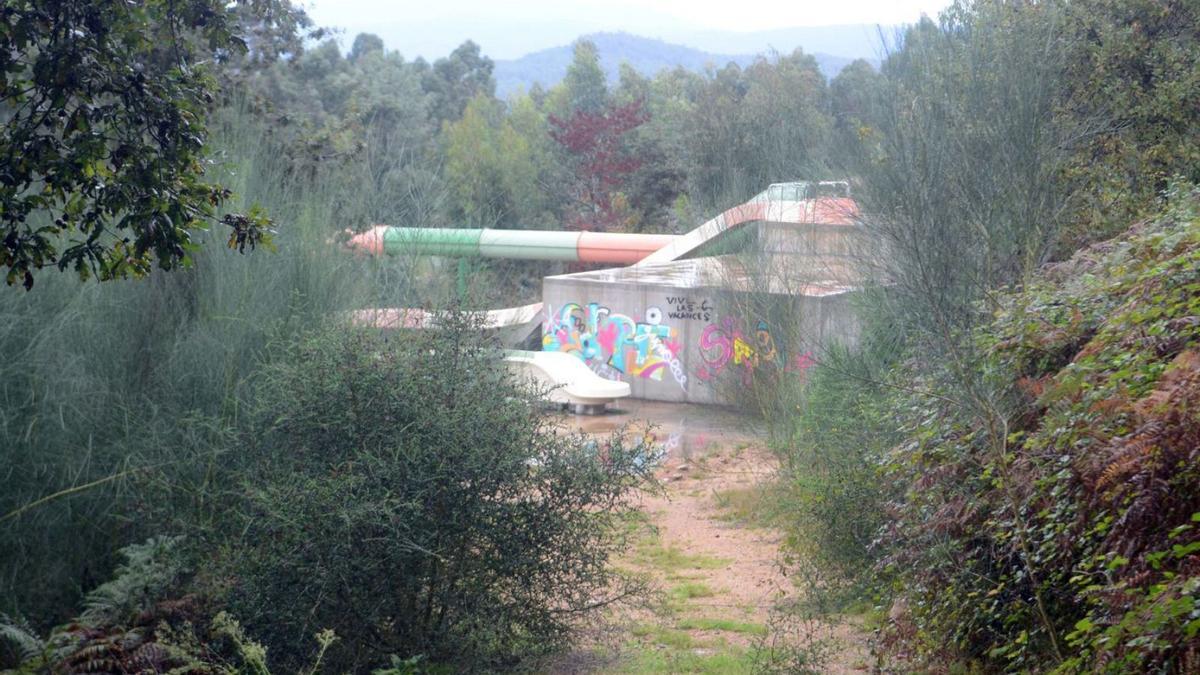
[137, 623]
[1004, 464]
[1073, 543]
[596, 141]
[716, 138]
[104, 108]
[127, 412]
[111, 389]
[1133, 73]
[413, 498]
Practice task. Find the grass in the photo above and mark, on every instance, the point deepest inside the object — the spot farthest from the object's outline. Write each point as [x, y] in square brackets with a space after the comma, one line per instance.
[672, 559]
[661, 649]
[661, 635]
[690, 590]
[746, 506]
[725, 662]
[725, 625]
[650, 552]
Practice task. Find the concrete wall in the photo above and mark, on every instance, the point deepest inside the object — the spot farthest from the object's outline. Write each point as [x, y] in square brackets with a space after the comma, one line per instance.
[673, 343]
[810, 239]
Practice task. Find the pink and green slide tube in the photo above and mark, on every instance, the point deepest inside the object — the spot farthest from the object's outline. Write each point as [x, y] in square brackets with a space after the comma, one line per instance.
[589, 247]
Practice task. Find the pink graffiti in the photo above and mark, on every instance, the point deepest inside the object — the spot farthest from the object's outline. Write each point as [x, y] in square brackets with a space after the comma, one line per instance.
[725, 344]
[673, 346]
[720, 339]
[607, 337]
[801, 363]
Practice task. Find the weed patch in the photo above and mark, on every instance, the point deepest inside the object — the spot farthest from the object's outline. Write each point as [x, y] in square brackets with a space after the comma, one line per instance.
[725, 625]
[644, 661]
[690, 590]
[753, 506]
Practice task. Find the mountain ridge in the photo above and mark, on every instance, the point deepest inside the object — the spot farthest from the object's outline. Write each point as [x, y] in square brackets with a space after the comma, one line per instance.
[647, 55]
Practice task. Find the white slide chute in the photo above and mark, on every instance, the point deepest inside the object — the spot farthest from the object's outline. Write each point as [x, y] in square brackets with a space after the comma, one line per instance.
[566, 379]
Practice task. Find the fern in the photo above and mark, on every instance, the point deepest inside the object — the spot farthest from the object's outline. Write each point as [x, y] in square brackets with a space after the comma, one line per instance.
[19, 634]
[129, 628]
[151, 568]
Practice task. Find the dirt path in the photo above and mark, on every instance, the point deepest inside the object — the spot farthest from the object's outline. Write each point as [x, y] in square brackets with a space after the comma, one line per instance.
[717, 570]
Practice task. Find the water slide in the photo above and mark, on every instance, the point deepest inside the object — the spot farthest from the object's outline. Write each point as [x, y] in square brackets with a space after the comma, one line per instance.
[821, 210]
[780, 203]
[589, 247]
[514, 324]
[566, 380]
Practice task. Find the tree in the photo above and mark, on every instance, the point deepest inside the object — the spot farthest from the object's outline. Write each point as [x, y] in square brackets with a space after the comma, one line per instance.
[784, 120]
[387, 113]
[365, 43]
[536, 202]
[493, 164]
[272, 31]
[852, 92]
[473, 164]
[658, 180]
[459, 525]
[584, 83]
[631, 85]
[103, 137]
[664, 143]
[602, 163]
[1131, 76]
[712, 147]
[453, 81]
[854, 102]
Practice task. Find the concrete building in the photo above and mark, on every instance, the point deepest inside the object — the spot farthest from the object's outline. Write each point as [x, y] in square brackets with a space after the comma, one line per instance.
[759, 291]
[752, 296]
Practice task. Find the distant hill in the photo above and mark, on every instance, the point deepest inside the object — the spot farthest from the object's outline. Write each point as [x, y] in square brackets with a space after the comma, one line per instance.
[647, 55]
[847, 40]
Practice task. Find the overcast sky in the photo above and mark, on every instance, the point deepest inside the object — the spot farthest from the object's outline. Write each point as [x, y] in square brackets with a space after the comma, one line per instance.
[432, 28]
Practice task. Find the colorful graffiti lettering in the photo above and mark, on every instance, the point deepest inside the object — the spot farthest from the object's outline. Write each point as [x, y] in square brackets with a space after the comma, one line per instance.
[724, 343]
[614, 344]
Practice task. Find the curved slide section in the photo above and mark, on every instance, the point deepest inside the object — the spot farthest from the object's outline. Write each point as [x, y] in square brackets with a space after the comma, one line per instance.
[589, 247]
[819, 211]
[402, 317]
[514, 324]
[566, 379]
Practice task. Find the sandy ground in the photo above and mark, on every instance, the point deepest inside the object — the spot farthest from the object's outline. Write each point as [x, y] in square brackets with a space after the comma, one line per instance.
[712, 454]
[687, 518]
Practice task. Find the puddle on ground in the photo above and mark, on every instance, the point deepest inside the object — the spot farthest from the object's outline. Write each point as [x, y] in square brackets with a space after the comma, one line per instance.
[684, 430]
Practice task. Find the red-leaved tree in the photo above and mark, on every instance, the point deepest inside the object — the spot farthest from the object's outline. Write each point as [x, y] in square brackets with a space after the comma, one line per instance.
[602, 162]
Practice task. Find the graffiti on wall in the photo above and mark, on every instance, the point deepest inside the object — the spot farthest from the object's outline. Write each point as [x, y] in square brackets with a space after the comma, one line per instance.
[614, 344]
[726, 345]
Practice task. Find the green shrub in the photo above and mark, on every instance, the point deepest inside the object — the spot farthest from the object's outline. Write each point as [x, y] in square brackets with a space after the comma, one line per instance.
[111, 387]
[413, 498]
[832, 493]
[1072, 545]
[121, 402]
